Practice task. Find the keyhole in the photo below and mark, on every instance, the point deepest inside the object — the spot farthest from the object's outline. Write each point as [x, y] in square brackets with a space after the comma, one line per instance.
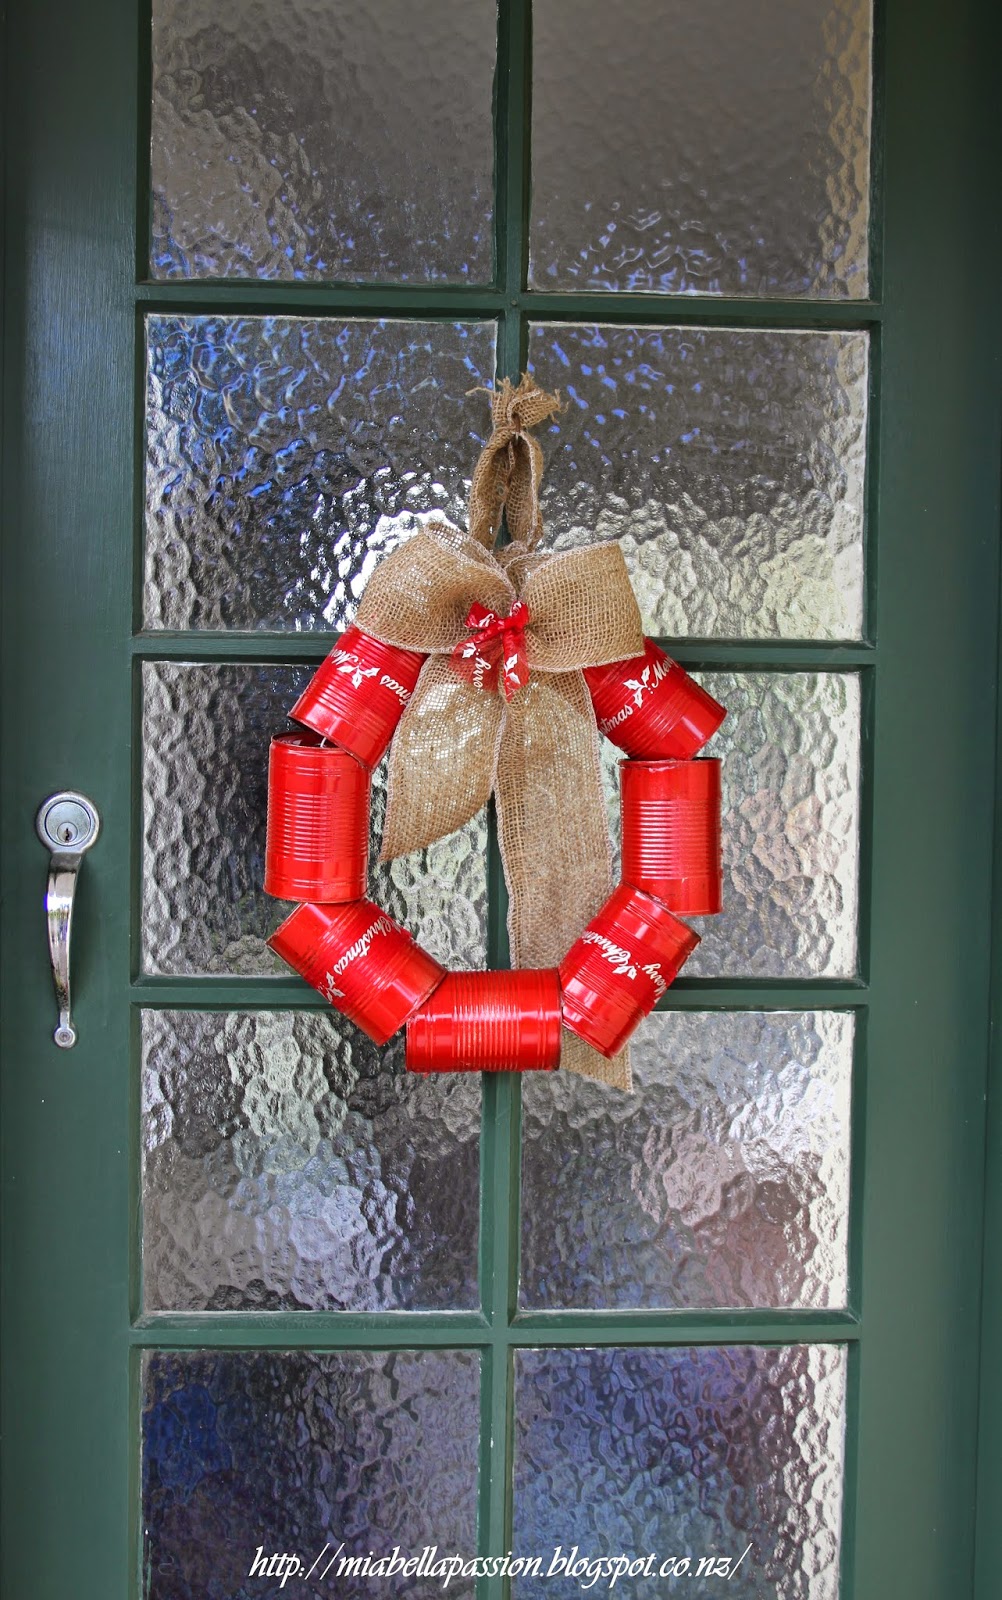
[68, 823]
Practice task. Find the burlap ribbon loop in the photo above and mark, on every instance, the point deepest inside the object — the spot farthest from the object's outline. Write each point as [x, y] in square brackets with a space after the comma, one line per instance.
[508, 472]
[535, 746]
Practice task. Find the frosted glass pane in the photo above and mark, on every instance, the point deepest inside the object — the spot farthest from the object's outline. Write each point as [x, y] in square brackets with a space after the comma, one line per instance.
[284, 455]
[701, 149]
[723, 1181]
[696, 1452]
[298, 1453]
[206, 731]
[290, 1164]
[730, 463]
[322, 141]
[790, 812]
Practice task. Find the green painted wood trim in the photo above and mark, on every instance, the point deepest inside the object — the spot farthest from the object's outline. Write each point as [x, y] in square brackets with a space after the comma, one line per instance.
[503, 1093]
[287, 994]
[68, 1464]
[699, 654]
[71, 417]
[451, 300]
[988, 1544]
[311, 1330]
[988, 1528]
[931, 810]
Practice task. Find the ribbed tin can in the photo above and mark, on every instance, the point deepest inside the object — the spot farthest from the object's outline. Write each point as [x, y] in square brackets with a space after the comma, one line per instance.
[488, 1022]
[358, 695]
[671, 832]
[651, 708]
[622, 964]
[318, 821]
[363, 962]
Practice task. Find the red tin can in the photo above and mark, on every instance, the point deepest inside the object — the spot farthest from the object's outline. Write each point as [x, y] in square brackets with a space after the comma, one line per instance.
[362, 961]
[488, 1022]
[671, 832]
[358, 695]
[651, 708]
[622, 963]
[318, 821]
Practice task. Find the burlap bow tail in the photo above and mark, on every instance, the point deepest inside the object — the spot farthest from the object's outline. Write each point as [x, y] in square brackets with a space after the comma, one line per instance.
[501, 704]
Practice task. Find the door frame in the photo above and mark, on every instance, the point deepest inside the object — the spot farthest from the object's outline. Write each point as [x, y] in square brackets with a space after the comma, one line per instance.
[72, 417]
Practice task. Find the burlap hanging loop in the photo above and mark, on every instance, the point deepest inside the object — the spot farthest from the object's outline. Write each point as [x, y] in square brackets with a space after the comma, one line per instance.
[508, 472]
[537, 748]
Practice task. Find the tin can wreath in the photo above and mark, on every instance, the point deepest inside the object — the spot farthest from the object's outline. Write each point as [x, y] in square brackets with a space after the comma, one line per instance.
[493, 670]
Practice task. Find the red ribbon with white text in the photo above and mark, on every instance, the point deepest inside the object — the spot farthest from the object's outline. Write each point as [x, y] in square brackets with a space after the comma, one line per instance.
[495, 650]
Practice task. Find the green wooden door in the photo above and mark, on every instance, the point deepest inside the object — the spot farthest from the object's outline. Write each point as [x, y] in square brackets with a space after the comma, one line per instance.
[757, 250]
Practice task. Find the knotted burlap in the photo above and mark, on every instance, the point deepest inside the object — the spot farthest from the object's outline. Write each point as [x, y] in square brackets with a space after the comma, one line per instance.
[538, 750]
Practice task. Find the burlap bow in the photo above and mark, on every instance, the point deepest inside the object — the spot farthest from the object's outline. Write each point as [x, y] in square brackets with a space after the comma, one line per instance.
[521, 724]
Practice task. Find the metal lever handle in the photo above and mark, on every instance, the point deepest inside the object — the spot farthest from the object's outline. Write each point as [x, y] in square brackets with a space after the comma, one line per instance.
[67, 824]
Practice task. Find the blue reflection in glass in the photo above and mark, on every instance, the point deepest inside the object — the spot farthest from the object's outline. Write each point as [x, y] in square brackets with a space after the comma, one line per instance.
[293, 1452]
[285, 454]
[699, 1452]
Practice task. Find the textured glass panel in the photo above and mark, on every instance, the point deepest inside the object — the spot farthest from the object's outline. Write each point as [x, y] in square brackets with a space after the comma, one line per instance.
[696, 1452]
[717, 148]
[206, 731]
[285, 454]
[730, 464]
[790, 749]
[340, 140]
[290, 1452]
[722, 1181]
[290, 1164]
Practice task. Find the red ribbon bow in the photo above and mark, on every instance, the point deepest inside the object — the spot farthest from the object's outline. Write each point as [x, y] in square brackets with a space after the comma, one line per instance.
[495, 652]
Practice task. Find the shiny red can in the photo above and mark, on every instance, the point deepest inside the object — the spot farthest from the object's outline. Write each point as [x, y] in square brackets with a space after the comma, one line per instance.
[362, 962]
[651, 708]
[671, 832]
[357, 697]
[318, 821]
[622, 964]
[488, 1022]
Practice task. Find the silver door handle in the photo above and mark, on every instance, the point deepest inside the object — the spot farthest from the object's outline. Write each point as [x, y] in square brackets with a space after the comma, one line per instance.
[67, 824]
